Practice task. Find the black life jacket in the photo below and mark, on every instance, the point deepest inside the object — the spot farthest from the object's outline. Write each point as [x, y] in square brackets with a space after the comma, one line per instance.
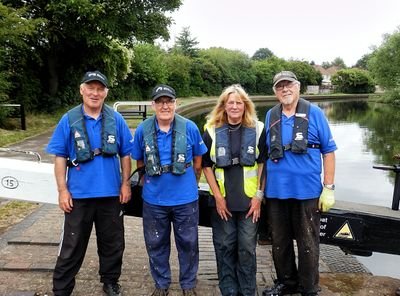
[222, 156]
[299, 142]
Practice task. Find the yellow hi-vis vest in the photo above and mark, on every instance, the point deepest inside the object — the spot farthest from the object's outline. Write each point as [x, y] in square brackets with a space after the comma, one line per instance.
[249, 171]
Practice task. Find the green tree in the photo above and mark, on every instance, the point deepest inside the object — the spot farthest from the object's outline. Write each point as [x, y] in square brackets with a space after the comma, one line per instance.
[234, 66]
[80, 35]
[186, 44]
[353, 81]
[384, 63]
[326, 65]
[362, 63]
[264, 71]
[179, 69]
[338, 62]
[262, 54]
[205, 78]
[306, 74]
[148, 69]
[16, 29]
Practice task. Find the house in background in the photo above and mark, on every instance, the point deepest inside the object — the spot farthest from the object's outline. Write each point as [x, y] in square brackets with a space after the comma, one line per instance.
[327, 74]
[326, 84]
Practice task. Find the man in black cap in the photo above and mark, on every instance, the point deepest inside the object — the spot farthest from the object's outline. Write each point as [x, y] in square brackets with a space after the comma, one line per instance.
[299, 143]
[170, 147]
[91, 143]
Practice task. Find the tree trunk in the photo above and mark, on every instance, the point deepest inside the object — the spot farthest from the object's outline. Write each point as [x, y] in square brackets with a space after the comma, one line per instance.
[53, 75]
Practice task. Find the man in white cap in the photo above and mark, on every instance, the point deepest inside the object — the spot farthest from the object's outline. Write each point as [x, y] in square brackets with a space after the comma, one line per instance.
[299, 143]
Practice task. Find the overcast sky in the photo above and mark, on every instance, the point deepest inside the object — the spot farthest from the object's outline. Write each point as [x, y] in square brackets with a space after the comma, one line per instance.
[311, 30]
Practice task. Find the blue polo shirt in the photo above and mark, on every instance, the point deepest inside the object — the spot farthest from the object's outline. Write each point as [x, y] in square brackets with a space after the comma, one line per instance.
[169, 189]
[101, 176]
[299, 175]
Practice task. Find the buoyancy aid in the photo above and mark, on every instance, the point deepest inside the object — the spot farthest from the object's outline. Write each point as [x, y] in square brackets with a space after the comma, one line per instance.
[299, 142]
[221, 155]
[83, 148]
[179, 142]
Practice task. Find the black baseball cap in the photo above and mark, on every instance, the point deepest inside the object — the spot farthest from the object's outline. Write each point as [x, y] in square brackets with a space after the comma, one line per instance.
[163, 90]
[95, 76]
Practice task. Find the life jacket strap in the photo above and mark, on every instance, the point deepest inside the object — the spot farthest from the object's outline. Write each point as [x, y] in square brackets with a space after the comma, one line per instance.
[289, 146]
[168, 167]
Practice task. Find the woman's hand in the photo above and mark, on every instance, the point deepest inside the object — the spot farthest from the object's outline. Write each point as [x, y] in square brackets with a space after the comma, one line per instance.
[255, 209]
[222, 210]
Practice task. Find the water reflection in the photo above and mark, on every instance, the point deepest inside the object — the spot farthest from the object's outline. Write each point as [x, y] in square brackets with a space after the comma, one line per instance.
[382, 133]
[363, 142]
[366, 134]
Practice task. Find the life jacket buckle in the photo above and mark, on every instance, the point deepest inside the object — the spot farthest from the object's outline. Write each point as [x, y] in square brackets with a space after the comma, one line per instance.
[235, 160]
[168, 167]
[97, 152]
[72, 163]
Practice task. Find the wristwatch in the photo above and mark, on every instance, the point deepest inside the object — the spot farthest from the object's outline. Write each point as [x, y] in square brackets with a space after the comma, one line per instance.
[259, 195]
[330, 186]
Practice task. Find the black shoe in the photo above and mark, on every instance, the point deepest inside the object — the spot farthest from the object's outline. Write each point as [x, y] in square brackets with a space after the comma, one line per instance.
[160, 292]
[113, 289]
[279, 289]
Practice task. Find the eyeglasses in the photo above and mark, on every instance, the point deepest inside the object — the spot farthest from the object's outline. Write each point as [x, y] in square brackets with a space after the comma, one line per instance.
[169, 103]
[281, 85]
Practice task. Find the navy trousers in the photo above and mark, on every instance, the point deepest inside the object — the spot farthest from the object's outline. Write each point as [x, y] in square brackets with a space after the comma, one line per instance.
[157, 222]
[235, 249]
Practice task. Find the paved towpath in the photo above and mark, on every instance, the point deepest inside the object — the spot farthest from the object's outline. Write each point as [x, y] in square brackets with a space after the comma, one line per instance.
[29, 249]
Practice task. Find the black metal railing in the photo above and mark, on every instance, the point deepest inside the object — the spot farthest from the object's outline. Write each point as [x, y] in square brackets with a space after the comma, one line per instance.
[17, 111]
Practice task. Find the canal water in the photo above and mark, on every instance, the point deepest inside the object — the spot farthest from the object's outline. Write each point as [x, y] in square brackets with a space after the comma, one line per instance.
[366, 134]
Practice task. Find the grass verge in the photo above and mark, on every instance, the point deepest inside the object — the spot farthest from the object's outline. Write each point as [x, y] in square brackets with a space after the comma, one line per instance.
[35, 124]
[12, 212]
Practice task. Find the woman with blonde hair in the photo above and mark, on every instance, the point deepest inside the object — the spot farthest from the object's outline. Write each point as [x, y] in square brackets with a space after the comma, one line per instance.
[233, 168]
[218, 116]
